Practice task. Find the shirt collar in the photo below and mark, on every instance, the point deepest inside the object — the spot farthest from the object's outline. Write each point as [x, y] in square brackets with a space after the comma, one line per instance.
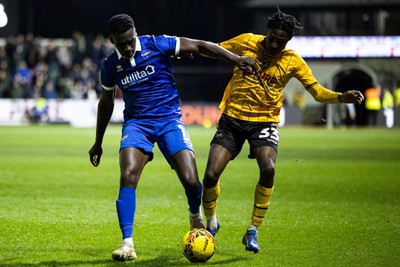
[138, 47]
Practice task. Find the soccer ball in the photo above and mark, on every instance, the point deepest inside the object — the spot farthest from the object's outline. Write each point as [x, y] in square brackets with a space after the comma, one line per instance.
[198, 245]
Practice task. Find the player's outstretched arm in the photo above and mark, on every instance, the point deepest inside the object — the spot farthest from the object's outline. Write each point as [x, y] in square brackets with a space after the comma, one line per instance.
[324, 95]
[210, 49]
[104, 111]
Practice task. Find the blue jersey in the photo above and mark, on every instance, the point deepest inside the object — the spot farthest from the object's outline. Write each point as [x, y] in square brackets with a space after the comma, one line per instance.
[146, 80]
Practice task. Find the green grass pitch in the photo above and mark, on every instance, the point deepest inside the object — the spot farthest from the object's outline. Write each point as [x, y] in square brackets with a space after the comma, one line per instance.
[336, 201]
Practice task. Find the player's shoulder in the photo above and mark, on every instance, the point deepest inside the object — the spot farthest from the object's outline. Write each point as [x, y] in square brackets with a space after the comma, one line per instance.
[147, 42]
[145, 38]
[250, 35]
[111, 59]
[249, 38]
[255, 35]
[153, 41]
[292, 56]
[290, 52]
[155, 37]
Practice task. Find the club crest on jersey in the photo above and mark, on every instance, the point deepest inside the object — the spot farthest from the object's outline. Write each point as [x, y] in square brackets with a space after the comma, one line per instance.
[145, 53]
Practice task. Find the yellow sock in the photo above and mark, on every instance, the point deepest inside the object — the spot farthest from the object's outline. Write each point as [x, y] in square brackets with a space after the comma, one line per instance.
[262, 197]
[210, 196]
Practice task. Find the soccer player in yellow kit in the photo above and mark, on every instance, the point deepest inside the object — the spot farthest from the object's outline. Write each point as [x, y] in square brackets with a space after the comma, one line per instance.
[250, 111]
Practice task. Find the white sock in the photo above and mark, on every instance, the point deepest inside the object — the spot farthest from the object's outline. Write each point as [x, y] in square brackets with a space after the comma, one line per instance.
[212, 222]
[252, 227]
[128, 240]
[195, 215]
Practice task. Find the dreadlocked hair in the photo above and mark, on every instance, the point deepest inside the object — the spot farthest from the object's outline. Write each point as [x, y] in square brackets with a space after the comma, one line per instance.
[120, 23]
[284, 21]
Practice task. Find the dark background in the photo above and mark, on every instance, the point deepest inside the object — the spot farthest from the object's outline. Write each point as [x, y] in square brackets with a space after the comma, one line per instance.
[206, 19]
[214, 20]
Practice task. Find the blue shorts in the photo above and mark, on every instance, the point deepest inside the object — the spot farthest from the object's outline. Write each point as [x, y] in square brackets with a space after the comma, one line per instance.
[171, 136]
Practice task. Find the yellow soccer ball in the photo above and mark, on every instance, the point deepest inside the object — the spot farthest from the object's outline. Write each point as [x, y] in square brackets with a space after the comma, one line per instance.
[198, 245]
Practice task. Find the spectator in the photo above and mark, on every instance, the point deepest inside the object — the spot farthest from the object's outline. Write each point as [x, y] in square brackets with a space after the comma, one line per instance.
[33, 53]
[38, 87]
[64, 57]
[39, 112]
[387, 105]
[96, 51]
[79, 46]
[397, 97]
[51, 59]
[24, 77]
[77, 91]
[49, 91]
[372, 104]
[4, 77]
[11, 49]
[17, 89]
[90, 90]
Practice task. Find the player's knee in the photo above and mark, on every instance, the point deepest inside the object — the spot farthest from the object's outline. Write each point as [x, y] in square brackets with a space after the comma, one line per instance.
[129, 178]
[267, 170]
[191, 186]
[210, 179]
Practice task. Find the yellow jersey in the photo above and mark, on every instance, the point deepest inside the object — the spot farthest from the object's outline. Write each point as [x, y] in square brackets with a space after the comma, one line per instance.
[258, 96]
[372, 98]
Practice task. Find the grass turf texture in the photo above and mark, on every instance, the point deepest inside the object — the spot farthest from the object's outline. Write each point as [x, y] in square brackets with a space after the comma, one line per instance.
[336, 201]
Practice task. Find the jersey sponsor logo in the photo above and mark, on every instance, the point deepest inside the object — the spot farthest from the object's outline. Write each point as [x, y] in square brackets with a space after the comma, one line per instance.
[266, 78]
[138, 76]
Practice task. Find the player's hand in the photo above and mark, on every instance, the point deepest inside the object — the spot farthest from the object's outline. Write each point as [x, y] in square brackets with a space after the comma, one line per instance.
[95, 154]
[248, 64]
[352, 96]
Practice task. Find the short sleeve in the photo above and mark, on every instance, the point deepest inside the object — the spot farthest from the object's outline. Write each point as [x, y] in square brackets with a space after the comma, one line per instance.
[106, 74]
[169, 45]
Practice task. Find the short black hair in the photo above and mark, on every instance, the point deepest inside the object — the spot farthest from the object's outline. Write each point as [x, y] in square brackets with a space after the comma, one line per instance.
[284, 21]
[120, 23]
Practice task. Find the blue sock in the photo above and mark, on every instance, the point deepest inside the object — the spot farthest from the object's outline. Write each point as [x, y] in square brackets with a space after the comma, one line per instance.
[126, 206]
[194, 200]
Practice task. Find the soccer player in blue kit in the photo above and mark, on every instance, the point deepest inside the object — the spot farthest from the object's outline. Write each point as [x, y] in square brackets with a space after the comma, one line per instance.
[141, 67]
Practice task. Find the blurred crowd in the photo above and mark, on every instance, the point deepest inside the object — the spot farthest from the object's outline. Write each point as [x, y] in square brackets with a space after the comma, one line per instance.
[34, 67]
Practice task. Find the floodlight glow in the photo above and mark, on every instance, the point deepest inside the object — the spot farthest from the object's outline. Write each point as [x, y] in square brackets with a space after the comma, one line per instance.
[346, 46]
[3, 17]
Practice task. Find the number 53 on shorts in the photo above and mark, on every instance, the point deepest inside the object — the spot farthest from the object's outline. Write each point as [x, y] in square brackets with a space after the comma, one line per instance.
[271, 134]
